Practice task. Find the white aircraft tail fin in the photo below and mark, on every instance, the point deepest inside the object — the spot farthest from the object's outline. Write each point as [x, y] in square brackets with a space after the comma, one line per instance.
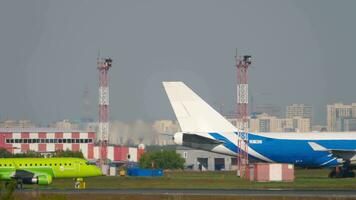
[192, 112]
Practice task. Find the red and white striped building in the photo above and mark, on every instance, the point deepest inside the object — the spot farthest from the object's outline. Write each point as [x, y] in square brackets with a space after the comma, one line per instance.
[48, 140]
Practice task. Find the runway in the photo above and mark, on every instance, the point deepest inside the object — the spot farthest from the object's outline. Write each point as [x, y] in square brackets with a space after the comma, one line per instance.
[210, 192]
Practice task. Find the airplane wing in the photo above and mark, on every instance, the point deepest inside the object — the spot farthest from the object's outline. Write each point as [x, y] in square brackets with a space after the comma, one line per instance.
[200, 142]
[345, 154]
[194, 138]
[23, 174]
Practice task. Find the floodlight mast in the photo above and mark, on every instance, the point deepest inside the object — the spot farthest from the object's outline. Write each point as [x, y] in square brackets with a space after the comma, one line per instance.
[103, 66]
[242, 65]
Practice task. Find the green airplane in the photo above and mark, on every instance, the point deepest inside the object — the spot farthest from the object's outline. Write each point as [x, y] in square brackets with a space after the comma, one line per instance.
[42, 171]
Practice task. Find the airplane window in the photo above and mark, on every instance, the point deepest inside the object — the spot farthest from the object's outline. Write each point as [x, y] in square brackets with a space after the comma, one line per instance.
[90, 163]
[36, 164]
[40, 164]
[25, 164]
[55, 164]
[65, 164]
[10, 165]
[31, 164]
[20, 165]
[5, 165]
[50, 164]
[0, 165]
[60, 164]
[45, 164]
[70, 164]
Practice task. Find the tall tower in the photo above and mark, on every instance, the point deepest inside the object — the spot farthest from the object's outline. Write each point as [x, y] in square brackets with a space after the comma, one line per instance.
[103, 66]
[242, 65]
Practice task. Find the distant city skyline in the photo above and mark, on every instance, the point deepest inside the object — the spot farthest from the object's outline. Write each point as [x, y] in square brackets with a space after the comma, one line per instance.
[302, 53]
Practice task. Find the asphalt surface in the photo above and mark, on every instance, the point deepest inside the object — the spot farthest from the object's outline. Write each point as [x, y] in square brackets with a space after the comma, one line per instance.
[214, 192]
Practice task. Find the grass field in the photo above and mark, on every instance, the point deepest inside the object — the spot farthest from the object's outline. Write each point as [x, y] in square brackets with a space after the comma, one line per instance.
[49, 196]
[313, 179]
[305, 179]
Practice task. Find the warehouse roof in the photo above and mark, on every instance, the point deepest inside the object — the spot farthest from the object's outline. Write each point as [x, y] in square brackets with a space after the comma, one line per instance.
[36, 130]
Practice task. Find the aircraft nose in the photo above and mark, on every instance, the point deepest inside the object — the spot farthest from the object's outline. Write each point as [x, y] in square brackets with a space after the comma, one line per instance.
[178, 138]
[97, 171]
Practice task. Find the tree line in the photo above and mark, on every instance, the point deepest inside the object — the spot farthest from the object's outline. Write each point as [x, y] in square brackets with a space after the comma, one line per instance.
[33, 154]
[165, 159]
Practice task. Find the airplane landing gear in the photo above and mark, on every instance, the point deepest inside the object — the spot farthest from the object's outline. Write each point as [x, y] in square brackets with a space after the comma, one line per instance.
[13, 184]
[19, 184]
[345, 171]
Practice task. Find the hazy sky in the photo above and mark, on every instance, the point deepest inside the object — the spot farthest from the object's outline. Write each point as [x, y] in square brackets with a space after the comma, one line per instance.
[302, 53]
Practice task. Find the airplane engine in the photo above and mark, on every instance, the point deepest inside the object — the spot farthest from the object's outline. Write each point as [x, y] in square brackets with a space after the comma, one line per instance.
[44, 180]
[40, 180]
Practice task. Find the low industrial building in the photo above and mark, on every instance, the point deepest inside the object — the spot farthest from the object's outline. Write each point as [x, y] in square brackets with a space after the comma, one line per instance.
[49, 140]
[206, 161]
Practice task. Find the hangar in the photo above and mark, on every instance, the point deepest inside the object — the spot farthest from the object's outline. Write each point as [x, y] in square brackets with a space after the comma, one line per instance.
[49, 140]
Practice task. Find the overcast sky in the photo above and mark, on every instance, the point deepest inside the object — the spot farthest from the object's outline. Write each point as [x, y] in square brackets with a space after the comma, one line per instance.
[302, 53]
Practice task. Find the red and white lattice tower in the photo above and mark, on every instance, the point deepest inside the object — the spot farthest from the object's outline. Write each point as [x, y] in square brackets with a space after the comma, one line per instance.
[103, 67]
[242, 65]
